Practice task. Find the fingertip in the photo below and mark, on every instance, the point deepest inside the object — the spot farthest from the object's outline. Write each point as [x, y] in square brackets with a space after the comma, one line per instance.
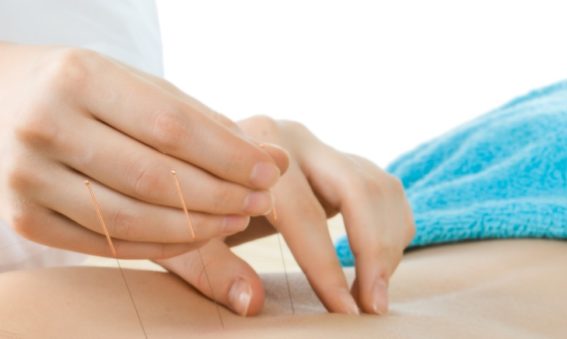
[258, 297]
[279, 154]
[258, 203]
[234, 223]
[379, 297]
[264, 175]
[349, 305]
[372, 288]
[339, 300]
[246, 296]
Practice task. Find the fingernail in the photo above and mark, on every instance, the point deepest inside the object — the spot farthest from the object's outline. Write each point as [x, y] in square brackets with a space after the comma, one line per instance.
[239, 296]
[233, 223]
[380, 296]
[268, 144]
[258, 203]
[264, 174]
[350, 304]
[273, 204]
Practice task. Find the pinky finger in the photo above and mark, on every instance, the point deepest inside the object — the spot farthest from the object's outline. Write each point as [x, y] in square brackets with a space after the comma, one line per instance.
[53, 229]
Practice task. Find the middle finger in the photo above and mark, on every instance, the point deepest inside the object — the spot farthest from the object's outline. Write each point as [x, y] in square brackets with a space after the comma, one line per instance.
[136, 170]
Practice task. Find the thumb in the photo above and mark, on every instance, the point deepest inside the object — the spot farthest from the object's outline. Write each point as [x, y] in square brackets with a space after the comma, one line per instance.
[227, 278]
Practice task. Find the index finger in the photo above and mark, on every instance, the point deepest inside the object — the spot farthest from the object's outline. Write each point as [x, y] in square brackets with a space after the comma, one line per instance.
[303, 224]
[154, 116]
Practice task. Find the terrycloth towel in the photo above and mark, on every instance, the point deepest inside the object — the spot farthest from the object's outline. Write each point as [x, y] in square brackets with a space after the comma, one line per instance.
[502, 175]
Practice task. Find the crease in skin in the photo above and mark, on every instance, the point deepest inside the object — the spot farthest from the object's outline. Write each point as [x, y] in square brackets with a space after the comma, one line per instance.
[113, 251]
[190, 225]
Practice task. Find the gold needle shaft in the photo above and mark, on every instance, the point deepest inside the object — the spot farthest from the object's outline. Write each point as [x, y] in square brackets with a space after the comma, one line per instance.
[183, 204]
[190, 225]
[113, 251]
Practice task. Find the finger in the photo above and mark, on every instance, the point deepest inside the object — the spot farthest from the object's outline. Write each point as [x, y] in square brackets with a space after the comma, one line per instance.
[53, 229]
[154, 116]
[303, 224]
[378, 223]
[378, 226]
[280, 155]
[224, 277]
[145, 174]
[171, 88]
[126, 218]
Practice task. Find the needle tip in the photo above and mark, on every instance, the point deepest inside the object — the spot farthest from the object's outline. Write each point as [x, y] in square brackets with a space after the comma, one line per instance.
[87, 182]
[173, 172]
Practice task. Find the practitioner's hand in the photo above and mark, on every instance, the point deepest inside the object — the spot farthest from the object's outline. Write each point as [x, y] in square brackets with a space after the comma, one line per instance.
[67, 115]
[319, 183]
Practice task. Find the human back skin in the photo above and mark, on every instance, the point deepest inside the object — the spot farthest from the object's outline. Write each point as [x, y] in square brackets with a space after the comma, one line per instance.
[504, 288]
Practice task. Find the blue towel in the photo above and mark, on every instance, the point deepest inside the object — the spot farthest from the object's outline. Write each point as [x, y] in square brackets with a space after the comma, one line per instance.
[502, 175]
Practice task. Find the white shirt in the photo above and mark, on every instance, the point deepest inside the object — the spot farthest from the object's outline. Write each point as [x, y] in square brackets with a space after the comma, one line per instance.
[126, 30]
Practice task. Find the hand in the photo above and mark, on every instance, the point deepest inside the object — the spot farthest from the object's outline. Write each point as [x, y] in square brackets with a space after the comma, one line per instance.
[70, 114]
[319, 183]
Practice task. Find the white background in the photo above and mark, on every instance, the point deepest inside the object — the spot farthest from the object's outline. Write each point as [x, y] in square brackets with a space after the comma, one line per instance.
[371, 77]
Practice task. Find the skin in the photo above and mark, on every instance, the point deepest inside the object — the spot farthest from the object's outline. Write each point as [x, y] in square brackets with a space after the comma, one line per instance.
[70, 114]
[482, 289]
[319, 183]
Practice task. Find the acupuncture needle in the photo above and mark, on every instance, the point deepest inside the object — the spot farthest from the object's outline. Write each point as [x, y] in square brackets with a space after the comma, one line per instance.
[113, 251]
[278, 236]
[274, 213]
[191, 229]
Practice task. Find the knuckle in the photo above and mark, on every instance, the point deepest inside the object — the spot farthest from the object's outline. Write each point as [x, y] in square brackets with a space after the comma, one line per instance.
[263, 126]
[168, 132]
[295, 129]
[25, 223]
[36, 128]
[67, 70]
[262, 120]
[147, 181]
[19, 176]
[122, 224]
